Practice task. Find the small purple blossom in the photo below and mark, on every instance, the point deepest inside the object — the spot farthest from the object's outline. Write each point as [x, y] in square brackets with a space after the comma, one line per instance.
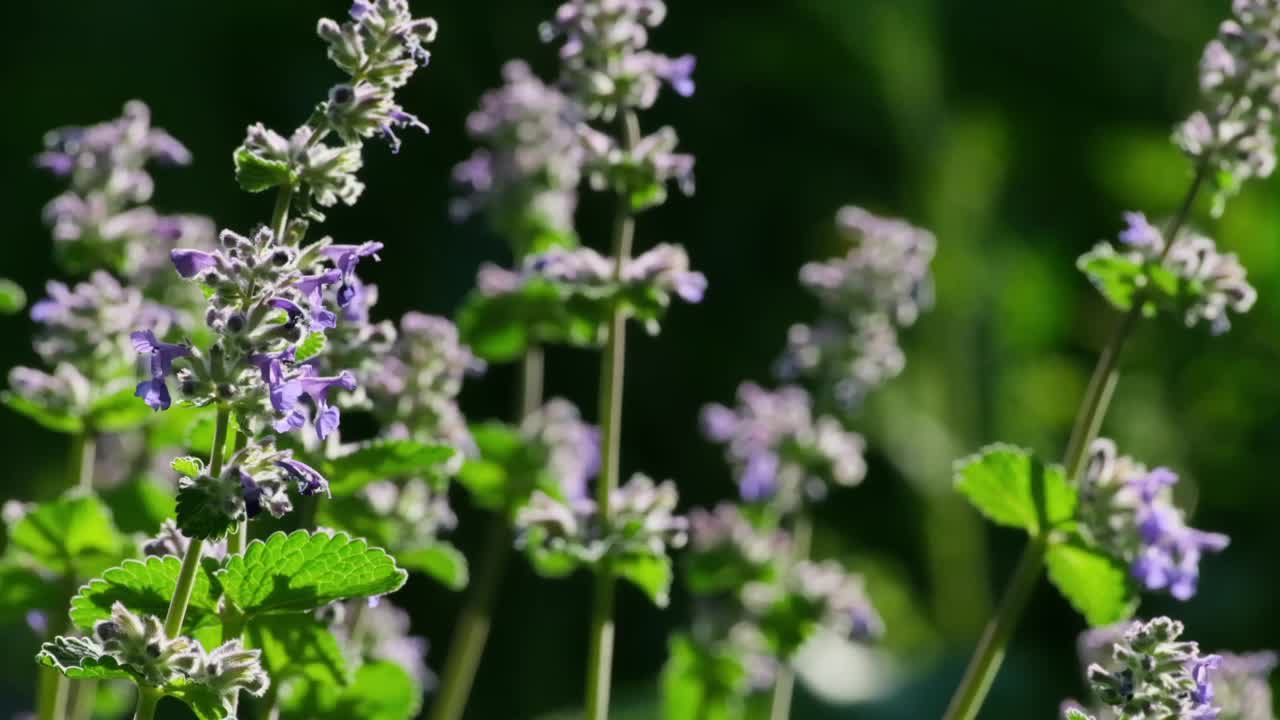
[678, 72]
[312, 288]
[346, 258]
[155, 392]
[191, 263]
[316, 389]
[310, 482]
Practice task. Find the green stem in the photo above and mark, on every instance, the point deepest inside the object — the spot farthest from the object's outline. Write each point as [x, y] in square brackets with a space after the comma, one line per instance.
[477, 617]
[148, 698]
[280, 214]
[784, 687]
[612, 370]
[84, 452]
[84, 696]
[191, 561]
[987, 658]
[51, 695]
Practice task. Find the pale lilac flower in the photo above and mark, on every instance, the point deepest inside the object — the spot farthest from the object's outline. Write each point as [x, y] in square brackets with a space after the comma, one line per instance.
[1128, 510]
[572, 446]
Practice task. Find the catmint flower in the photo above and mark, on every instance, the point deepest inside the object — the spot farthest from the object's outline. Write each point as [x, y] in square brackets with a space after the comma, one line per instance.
[572, 446]
[328, 172]
[140, 645]
[525, 175]
[255, 480]
[1157, 676]
[415, 388]
[418, 513]
[724, 531]
[102, 219]
[847, 609]
[65, 391]
[90, 323]
[606, 63]
[641, 173]
[379, 47]
[880, 285]
[1241, 688]
[1230, 136]
[1192, 276]
[779, 450]
[229, 669]
[266, 295]
[1128, 510]
[641, 521]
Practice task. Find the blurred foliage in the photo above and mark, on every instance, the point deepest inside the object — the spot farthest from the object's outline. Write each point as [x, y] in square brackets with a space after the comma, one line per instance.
[1017, 131]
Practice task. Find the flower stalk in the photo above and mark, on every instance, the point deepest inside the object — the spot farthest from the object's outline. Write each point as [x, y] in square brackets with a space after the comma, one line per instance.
[992, 646]
[477, 616]
[784, 686]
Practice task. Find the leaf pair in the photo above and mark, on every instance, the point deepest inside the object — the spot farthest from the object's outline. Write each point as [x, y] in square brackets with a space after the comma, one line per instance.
[1012, 487]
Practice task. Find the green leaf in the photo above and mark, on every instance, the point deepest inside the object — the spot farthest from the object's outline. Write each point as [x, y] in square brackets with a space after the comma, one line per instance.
[1076, 714]
[173, 428]
[45, 417]
[441, 561]
[118, 412]
[702, 684]
[650, 573]
[499, 328]
[69, 535]
[298, 646]
[23, 589]
[12, 297]
[1014, 488]
[203, 701]
[189, 466]
[303, 571]
[257, 174]
[311, 347]
[140, 505]
[81, 659]
[380, 691]
[200, 512]
[386, 460]
[146, 587]
[1116, 276]
[1096, 585]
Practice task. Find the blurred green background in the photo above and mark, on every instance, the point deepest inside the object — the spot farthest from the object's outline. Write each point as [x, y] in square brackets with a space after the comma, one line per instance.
[1017, 131]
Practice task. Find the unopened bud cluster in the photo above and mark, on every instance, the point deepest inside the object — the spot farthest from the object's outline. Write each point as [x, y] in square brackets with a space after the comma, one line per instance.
[139, 644]
[1231, 135]
[1155, 676]
[1128, 510]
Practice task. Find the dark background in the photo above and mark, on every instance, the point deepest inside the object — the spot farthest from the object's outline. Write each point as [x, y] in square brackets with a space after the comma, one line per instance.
[1017, 131]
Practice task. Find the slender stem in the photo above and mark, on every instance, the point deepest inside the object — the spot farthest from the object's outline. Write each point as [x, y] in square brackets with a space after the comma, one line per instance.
[51, 695]
[84, 695]
[83, 454]
[477, 617]
[191, 561]
[280, 214]
[148, 698]
[784, 687]
[612, 370]
[985, 664]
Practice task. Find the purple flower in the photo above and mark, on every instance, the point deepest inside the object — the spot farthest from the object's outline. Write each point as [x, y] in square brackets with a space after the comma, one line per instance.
[284, 394]
[252, 493]
[1203, 694]
[58, 163]
[312, 287]
[294, 312]
[154, 391]
[401, 119]
[347, 257]
[315, 389]
[679, 73]
[1170, 552]
[310, 482]
[359, 9]
[192, 262]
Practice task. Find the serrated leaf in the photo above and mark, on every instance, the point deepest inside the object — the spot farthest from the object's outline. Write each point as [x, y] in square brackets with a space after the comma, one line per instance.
[312, 346]
[12, 297]
[441, 561]
[1096, 585]
[303, 571]
[298, 646]
[1012, 487]
[45, 417]
[81, 659]
[651, 573]
[23, 590]
[200, 512]
[386, 460]
[189, 466]
[380, 691]
[499, 328]
[140, 505]
[69, 535]
[257, 174]
[146, 587]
